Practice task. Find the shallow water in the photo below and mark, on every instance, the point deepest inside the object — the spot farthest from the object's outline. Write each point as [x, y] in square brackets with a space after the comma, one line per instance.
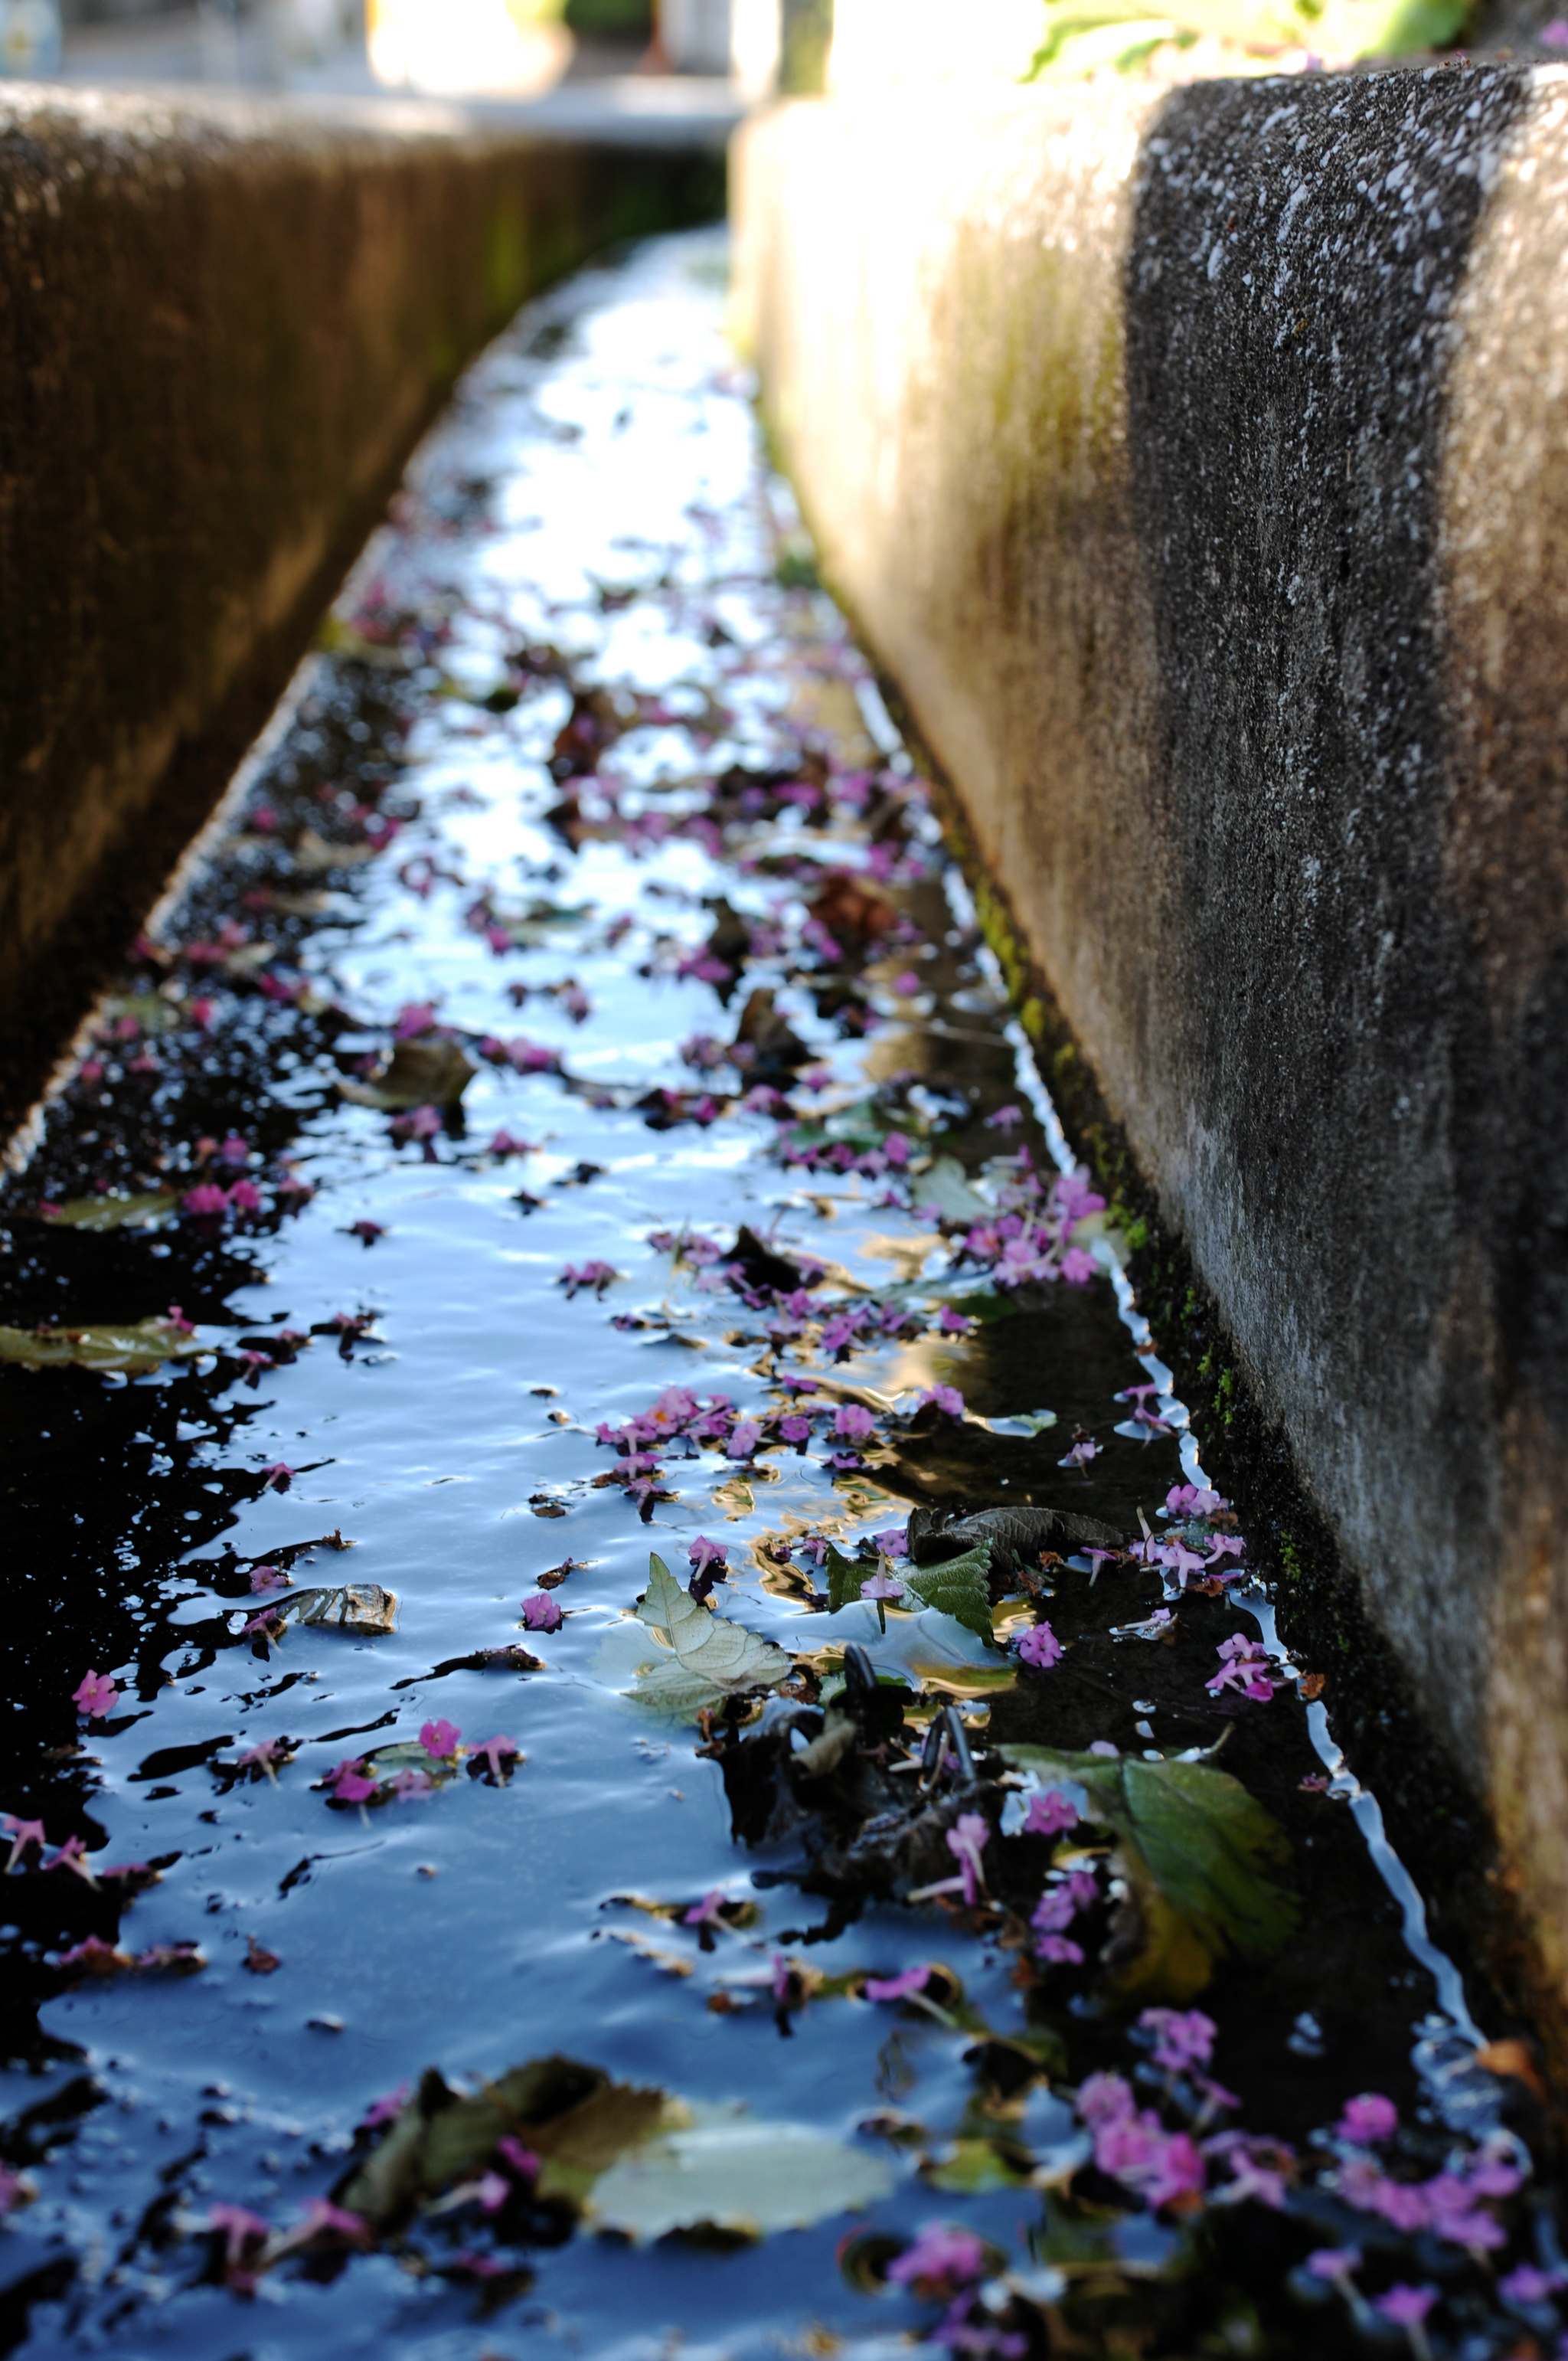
[594, 517]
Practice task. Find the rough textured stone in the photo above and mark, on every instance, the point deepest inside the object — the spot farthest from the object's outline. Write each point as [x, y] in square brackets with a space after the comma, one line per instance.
[1196, 463]
[223, 324]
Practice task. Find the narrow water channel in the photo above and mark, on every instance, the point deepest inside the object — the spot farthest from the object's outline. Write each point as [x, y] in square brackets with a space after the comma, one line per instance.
[632, 1727]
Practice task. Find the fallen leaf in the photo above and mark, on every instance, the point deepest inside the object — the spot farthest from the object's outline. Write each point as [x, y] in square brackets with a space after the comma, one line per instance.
[971, 2167]
[362, 1607]
[571, 2116]
[432, 1072]
[739, 2175]
[712, 1657]
[1200, 1857]
[111, 1213]
[845, 1576]
[1513, 2058]
[958, 1588]
[135, 1347]
[314, 854]
[946, 1189]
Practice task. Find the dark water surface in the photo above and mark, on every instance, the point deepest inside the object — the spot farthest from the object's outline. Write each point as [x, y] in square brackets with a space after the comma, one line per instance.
[588, 763]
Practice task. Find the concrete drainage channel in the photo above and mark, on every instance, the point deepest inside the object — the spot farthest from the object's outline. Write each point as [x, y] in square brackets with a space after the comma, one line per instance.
[654, 1717]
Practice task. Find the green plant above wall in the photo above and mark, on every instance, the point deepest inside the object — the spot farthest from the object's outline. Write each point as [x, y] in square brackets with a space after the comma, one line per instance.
[1083, 34]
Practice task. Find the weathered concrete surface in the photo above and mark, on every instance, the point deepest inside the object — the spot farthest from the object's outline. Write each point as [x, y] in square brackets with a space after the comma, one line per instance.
[223, 324]
[1198, 466]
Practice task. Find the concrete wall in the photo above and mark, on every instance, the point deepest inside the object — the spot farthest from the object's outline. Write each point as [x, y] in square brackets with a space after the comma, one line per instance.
[223, 325]
[1197, 463]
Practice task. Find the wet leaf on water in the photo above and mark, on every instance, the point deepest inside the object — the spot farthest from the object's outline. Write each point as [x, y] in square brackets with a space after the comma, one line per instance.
[362, 1607]
[946, 1189]
[739, 2175]
[315, 855]
[336, 638]
[571, 2116]
[971, 2167]
[151, 1010]
[430, 1072]
[112, 1213]
[712, 1657]
[1202, 1859]
[845, 1576]
[958, 1588]
[132, 1345]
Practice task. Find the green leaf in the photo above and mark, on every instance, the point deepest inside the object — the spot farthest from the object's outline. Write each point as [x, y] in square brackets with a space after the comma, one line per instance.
[711, 1657]
[1202, 1859]
[736, 2174]
[946, 1189]
[430, 1072]
[958, 1588]
[134, 1347]
[111, 1213]
[845, 1576]
[971, 2167]
[571, 2116]
[635, 2159]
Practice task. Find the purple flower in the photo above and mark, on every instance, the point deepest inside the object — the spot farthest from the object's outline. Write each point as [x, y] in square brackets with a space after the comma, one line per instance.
[939, 2256]
[912, 1980]
[496, 1753]
[440, 1739]
[1060, 1904]
[1083, 1450]
[953, 1323]
[22, 1834]
[968, 1841]
[1194, 1501]
[796, 1428]
[1006, 1118]
[744, 1437]
[705, 1913]
[519, 2161]
[1333, 2262]
[1079, 1267]
[1369, 2117]
[1182, 2040]
[349, 1784]
[322, 2214]
[540, 1613]
[1040, 1648]
[1528, 2285]
[96, 1696]
[1049, 1813]
[1076, 1199]
[205, 1201]
[852, 1424]
[1407, 2307]
[278, 1477]
[1060, 1951]
[596, 1275]
[1245, 1666]
[883, 1586]
[948, 1399]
